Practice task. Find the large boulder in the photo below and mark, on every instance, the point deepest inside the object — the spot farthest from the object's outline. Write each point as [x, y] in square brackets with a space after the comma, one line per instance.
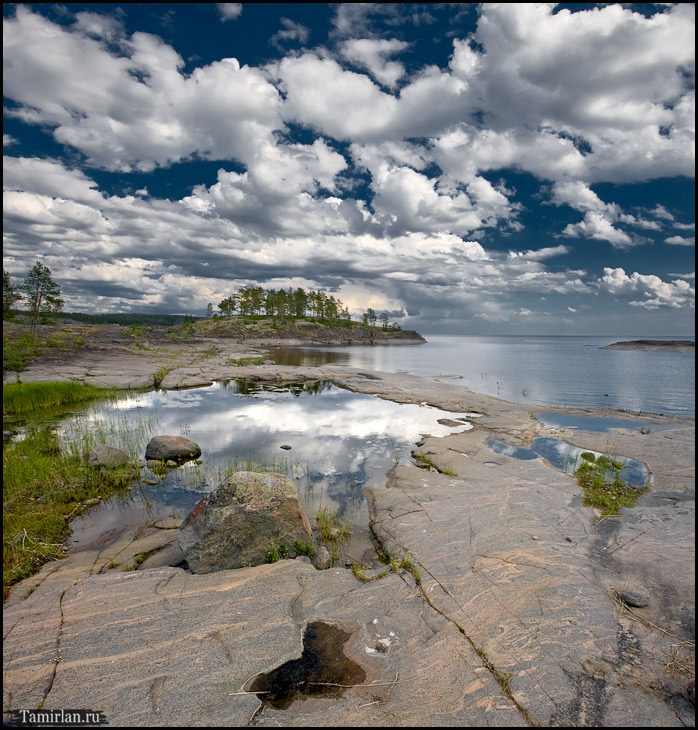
[241, 520]
[174, 448]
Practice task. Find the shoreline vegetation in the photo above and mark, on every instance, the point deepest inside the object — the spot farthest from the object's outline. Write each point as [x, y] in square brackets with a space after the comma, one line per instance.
[45, 485]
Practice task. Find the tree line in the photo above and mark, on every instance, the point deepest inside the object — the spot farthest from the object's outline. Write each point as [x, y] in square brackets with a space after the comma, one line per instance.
[285, 304]
[42, 295]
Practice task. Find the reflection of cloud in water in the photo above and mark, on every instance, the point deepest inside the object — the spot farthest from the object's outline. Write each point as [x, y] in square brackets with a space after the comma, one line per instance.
[220, 419]
[516, 452]
[566, 457]
[340, 441]
[355, 419]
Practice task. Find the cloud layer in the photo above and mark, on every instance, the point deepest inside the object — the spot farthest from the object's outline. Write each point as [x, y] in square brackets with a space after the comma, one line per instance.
[388, 193]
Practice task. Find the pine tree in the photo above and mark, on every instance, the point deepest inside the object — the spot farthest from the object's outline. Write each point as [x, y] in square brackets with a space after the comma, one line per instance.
[10, 295]
[43, 293]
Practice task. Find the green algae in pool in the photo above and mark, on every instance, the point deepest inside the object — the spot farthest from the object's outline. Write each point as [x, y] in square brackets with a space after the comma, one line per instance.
[323, 670]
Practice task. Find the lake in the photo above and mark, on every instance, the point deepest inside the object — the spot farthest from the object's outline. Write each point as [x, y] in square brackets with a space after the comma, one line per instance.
[538, 370]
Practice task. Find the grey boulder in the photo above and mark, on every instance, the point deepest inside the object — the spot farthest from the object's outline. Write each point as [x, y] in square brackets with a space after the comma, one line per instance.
[175, 448]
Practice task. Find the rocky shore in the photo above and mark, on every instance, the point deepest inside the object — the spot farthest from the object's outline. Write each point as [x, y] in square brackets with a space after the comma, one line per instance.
[508, 606]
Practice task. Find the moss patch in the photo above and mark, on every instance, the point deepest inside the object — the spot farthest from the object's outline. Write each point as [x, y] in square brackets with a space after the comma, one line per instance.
[603, 487]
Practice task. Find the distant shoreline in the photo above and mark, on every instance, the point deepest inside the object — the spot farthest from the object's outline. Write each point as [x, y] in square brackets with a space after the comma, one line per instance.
[665, 345]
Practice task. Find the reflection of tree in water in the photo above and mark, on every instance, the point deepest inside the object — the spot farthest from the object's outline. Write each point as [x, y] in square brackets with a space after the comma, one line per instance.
[300, 357]
[249, 387]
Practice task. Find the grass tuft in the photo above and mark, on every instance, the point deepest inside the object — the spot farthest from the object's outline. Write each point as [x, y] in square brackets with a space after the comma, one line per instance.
[44, 487]
[332, 532]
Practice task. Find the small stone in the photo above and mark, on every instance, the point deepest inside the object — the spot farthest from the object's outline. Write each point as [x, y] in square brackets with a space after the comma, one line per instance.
[636, 597]
[286, 447]
[170, 463]
[449, 422]
[535, 537]
[322, 560]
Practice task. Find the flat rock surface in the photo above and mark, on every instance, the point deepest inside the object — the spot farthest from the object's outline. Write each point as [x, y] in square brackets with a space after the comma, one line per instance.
[515, 619]
[167, 648]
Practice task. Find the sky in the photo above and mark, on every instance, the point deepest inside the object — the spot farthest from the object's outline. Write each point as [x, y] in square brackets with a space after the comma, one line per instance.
[493, 168]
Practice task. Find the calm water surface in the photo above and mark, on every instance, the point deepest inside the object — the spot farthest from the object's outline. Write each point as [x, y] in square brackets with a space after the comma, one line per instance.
[540, 370]
[340, 442]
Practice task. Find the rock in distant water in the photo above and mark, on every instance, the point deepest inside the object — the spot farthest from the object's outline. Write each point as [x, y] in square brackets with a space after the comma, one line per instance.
[241, 520]
[176, 448]
[109, 456]
[665, 345]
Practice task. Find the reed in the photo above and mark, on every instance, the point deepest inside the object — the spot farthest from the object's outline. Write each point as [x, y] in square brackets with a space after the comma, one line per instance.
[46, 478]
[22, 399]
[44, 486]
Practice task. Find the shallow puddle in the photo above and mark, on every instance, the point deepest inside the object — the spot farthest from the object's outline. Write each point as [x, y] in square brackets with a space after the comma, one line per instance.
[567, 458]
[339, 443]
[323, 670]
[598, 424]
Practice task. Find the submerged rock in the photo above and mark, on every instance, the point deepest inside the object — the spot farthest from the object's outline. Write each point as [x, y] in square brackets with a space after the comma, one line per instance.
[241, 520]
[108, 456]
[175, 448]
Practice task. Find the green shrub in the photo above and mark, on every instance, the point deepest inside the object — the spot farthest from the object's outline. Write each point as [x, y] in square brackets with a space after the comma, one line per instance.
[276, 552]
[304, 548]
[17, 355]
[603, 487]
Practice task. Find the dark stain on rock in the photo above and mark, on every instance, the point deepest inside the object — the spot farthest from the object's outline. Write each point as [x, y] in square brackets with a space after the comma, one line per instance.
[322, 669]
[588, 708]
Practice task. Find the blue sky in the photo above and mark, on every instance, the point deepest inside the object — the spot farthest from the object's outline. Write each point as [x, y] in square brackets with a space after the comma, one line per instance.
[518, 168]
